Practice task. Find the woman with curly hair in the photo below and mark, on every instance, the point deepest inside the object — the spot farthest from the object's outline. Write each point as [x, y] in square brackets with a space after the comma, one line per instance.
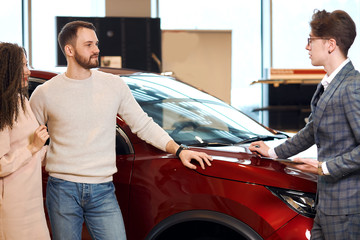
[21, 152]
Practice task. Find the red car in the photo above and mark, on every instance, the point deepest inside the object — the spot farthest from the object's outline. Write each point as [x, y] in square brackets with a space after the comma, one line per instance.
[241, 196]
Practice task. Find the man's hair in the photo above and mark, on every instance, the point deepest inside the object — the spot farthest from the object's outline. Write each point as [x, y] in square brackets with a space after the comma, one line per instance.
[68, 33]
[11, 77]
[337, 24]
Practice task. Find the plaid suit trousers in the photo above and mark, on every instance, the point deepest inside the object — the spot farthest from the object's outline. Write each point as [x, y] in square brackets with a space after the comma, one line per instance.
[330, 227]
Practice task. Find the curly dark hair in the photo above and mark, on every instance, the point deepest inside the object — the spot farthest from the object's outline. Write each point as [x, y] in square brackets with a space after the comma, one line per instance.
[337, 24]
[12, 94]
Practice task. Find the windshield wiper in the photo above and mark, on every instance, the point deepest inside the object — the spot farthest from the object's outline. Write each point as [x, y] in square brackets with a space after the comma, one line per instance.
[260, 138]
[210, 144]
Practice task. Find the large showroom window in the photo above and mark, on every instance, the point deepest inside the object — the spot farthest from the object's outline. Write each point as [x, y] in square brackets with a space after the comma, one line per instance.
[244, 21]
[11, 22]
[291, 29]
[44, 28]
[254, 48]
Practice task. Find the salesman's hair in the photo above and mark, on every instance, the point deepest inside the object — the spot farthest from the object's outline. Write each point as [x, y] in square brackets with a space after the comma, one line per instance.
[337, 25]
[68, 33]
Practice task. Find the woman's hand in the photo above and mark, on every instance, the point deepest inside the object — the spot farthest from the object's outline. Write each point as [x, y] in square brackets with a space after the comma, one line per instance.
[40, 137]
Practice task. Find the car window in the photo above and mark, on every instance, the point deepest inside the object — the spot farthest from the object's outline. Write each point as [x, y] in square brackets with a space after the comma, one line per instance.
[189, 115]
[123, 144]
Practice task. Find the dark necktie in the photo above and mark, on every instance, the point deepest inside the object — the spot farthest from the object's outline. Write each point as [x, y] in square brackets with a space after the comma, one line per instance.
[319, 95]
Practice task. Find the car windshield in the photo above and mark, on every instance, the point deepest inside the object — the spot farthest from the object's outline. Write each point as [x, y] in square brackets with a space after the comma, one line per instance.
[191, 116]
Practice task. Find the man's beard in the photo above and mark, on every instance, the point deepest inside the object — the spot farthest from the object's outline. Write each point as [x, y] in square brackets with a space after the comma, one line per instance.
[87, 64]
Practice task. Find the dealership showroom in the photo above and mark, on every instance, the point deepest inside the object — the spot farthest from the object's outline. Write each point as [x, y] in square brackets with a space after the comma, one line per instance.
[179, 119]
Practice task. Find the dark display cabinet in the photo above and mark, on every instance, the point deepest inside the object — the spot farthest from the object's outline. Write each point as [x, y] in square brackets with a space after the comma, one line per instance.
[289, 105]
[288, 97]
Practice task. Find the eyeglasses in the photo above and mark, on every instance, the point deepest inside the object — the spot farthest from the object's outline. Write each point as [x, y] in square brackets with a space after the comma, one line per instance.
[314, 38]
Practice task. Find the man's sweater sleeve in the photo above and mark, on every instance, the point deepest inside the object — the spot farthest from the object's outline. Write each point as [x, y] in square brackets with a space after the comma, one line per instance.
[37, 103]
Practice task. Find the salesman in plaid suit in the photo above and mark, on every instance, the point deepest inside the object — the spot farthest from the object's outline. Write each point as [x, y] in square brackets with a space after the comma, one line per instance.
[334, 126]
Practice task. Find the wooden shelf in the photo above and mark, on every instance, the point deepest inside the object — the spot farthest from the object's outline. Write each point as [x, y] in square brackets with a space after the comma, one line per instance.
[293, 76]
[300, 108]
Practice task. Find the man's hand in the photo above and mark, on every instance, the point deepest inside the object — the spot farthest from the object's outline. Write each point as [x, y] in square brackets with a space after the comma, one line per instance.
[259, 148]
[308, 165]
[187, 155]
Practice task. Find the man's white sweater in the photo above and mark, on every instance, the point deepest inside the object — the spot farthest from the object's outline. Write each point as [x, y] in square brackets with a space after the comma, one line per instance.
[81, 120]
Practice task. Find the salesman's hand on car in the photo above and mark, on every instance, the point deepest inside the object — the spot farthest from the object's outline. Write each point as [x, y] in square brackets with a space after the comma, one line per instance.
[259, 148]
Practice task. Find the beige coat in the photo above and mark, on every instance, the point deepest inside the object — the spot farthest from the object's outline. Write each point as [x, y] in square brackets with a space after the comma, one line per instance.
[21, 198]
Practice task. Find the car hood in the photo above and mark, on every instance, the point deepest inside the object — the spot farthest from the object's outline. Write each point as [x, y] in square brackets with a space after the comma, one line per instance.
[237, 163]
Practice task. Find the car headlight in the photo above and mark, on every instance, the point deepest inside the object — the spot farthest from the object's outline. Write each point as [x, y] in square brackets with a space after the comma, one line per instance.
[301, 202]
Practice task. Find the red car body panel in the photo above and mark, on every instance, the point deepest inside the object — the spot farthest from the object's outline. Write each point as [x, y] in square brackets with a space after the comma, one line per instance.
[153, 188]
[152, 195]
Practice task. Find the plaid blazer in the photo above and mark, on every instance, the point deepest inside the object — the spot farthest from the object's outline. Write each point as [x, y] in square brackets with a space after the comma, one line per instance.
[334, 126]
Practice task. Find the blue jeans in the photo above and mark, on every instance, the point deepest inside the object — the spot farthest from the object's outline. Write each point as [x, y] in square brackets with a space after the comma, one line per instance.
[69, 204]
